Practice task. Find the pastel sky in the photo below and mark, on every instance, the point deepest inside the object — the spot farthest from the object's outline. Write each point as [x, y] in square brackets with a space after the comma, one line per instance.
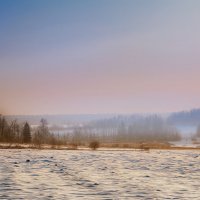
[99, 56]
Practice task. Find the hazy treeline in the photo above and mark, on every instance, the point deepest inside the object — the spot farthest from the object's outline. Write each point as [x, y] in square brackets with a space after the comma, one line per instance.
[127, 129]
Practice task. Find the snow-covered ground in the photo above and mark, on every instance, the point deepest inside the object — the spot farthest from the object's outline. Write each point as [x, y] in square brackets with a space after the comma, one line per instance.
[52, 174]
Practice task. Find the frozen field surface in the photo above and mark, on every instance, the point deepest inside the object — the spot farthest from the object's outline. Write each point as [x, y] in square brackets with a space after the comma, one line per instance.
[52, 174]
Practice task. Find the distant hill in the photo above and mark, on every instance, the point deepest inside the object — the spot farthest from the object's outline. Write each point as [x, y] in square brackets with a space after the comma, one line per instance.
[186, 118]
[59, 119]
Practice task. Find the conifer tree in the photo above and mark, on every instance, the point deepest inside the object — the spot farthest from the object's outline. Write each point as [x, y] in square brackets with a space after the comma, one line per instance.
[26, 133]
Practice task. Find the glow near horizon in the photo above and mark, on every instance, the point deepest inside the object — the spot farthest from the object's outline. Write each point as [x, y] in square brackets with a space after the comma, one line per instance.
[72, 57]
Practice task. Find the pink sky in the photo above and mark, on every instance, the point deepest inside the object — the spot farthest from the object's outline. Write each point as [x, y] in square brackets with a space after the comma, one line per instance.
[142, 61]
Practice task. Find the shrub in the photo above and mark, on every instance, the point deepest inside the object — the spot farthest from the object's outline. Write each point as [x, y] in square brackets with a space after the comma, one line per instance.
[94, 145]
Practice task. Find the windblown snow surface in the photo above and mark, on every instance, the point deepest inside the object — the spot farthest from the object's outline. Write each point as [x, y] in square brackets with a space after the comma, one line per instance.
[54, 174]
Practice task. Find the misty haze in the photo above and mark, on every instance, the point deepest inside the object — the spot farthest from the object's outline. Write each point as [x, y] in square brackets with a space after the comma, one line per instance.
[99, 99]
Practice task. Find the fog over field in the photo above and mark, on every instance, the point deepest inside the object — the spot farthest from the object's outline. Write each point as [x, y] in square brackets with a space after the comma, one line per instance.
[186, 122]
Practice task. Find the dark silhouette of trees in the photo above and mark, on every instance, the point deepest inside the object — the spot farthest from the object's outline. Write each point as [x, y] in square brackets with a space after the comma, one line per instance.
[10, 132]
[3, 129]
[26, 133]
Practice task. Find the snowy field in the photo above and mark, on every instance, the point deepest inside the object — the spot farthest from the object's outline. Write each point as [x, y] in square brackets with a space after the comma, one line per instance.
[52, 174]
